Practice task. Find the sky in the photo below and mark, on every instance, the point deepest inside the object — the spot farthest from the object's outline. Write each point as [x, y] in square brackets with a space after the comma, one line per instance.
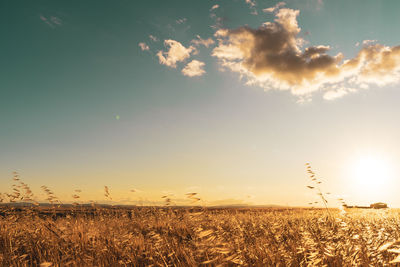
[228, 99]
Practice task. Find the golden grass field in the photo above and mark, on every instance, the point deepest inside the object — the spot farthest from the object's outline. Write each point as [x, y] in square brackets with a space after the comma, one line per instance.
[168, 236]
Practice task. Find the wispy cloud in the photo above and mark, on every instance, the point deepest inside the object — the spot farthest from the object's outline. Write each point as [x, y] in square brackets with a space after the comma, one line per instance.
[218, 21]
[252, 4]
[51, 21]
[194, 68]
[199, 41]
[144, 46]
[275, 7]
[214, 7]
[368, 42]
[56, 20]
[176, 53]
[333, 94]
[181, 21]
[273, 57]
[153, 38]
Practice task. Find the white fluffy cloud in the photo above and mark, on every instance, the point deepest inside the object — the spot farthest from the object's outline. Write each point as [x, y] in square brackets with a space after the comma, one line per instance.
[176, 53]
[273, 57]
[144, 46]
[194, 68]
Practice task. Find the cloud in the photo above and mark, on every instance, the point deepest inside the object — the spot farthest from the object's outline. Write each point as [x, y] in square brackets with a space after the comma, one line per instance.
[214, 7]
[52, 21]
[275, 7]
[176, 53]
[199, 41]
[194, 68]
[181, 21]
[368, 42]
[252, 4]
[218, 21]
[376, 64]
[56, 20]
[144, 46]
[273, 57]
[333, 94]
[153, 38]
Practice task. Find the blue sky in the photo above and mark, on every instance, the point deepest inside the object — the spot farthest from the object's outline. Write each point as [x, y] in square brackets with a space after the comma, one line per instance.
[83, 106]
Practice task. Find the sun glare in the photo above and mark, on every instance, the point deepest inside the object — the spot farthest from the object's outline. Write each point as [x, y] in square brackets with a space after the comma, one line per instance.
[372, 177]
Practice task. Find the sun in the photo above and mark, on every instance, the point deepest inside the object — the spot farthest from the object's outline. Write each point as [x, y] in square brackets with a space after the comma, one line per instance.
[372, 177]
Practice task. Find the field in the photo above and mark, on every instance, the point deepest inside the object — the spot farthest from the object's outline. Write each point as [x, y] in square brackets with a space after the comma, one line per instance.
[168, 236]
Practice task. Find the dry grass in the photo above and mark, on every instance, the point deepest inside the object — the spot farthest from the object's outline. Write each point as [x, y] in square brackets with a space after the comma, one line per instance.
[145, 236]
[78, 235]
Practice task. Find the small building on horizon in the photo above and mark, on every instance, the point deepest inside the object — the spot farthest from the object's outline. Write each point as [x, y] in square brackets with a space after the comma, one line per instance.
[377, 205]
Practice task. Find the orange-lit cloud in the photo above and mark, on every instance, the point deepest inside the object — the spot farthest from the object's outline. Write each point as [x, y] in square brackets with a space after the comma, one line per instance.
[199, 41]
[176, 53]
[276, 7]
[376, 64]
[252, 4]
[214, 7]
[273, 57]
[194, 68]
[144, 46]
